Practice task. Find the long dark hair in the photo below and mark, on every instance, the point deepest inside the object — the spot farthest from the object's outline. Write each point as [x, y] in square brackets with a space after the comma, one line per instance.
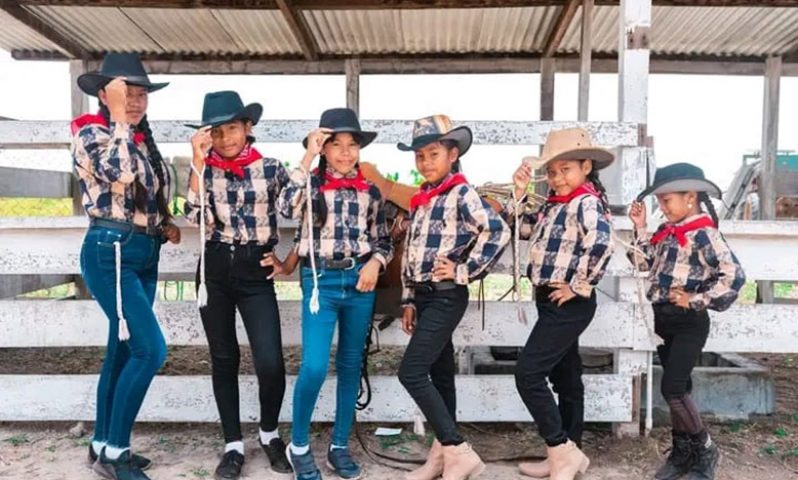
[319, 204]
[703, 198]
[593, 177]
[457, 167]
[156, 162]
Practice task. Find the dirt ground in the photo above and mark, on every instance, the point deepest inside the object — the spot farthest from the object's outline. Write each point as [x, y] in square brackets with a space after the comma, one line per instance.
[759, 449]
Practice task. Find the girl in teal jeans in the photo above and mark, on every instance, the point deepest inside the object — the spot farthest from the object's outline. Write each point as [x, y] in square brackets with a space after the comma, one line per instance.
[125, 186]
[343, 244]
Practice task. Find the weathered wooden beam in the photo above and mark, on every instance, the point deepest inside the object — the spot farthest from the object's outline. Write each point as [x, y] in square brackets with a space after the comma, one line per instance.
[586, 57]
[299, 27]
[13, 285]
[54, 134]
[23, 182]
[564, 19]
[43, 28]
[480, 398]
[353, 84]
[548, 71]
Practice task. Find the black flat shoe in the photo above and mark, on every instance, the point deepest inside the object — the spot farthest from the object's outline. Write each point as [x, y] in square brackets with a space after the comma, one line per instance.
[275, 450]
[230, 466]
[143, 463]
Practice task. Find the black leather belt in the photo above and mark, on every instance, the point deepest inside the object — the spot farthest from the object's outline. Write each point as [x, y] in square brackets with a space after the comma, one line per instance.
[429, 287]
[347, 263]
[125, 226]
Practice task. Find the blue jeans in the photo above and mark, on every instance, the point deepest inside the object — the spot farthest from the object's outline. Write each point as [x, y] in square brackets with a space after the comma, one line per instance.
[129, 366]
[352, 310]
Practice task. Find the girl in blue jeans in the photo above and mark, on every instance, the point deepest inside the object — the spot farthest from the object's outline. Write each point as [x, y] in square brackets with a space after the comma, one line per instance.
[125, 187]
[343, 242]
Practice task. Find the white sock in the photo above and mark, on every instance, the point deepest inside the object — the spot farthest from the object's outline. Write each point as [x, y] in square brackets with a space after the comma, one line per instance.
[299, 450]
[709, 441]
[337, 447]
[266, 437]
[237, 446]
[97, 446]
[113, 453]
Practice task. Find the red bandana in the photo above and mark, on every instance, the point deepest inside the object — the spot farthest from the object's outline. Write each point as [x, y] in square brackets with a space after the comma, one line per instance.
[586, 188]
[426, 194]
[91, 119]
[358, 182]
[248, 155]
[679, 231]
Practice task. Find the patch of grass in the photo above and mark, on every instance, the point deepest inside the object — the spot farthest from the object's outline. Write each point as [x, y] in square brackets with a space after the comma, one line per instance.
[35, 207]
[52, 448]
[736, 426]
[769, 449]
[781, 432]
[166, 444]
[200, 472]
[17, 440]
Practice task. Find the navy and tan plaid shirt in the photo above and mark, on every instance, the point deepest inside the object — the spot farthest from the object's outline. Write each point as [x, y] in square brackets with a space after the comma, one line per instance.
[457, 225]
[107, 162]
[355, 224]
[568, 242]
[705, 267]
[240, 210]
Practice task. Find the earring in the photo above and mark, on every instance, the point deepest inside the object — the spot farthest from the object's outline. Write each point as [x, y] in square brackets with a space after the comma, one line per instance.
[689, 205]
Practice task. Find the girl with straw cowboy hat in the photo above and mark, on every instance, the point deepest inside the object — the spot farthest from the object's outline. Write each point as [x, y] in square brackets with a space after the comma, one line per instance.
[569, 248]
[691, 270]
[344, 244]
[125, 186]
[232, 196]
[453, 239]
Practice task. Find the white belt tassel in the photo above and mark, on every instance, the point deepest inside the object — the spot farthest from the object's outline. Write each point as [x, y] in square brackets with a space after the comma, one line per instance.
[520, 312]
[124, 333]
[202, 290]
[314, 297]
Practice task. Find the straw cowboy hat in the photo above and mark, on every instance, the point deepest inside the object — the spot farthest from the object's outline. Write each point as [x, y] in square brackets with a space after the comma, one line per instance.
[226, 106]
[434, 129]
[680, 177]
[344, 120]
[572, 144]
[114, 65]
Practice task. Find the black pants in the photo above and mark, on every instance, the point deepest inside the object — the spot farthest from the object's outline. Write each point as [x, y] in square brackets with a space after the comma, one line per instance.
[552, 351]
[685, 333]
[234, 278]
[427, 370]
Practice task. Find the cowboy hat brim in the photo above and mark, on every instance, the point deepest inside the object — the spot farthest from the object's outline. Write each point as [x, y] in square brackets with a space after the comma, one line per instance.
[601, 158]
[92, 83]
[682, 185]
[364, 138]
[460, 135]
[251, 112]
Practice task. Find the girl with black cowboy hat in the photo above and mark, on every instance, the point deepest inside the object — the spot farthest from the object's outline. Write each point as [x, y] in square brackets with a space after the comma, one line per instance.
[691, 270]
[569, 248]
[125, 185]
[453, 239]
[232, 195]
[343, 242]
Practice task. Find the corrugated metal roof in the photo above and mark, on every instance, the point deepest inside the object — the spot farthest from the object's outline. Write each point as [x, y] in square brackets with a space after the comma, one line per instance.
[263, 32]
[346, 32]
[721, 31]
[16, 35]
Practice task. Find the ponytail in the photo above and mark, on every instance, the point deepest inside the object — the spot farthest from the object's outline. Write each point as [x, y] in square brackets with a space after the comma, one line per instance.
[593, 177]
[709, 208]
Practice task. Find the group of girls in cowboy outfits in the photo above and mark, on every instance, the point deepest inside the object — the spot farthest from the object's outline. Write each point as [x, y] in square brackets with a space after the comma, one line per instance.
[342, 245]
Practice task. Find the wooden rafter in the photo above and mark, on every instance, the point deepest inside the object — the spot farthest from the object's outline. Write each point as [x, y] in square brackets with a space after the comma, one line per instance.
[299, 27]
[33, 22]
[564, 19]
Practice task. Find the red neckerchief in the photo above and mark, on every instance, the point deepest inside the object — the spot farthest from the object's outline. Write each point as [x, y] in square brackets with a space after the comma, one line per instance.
[426, 193]
[679, 231]
[358, 182]
[586, 188]
[247, 155]
[91, 119]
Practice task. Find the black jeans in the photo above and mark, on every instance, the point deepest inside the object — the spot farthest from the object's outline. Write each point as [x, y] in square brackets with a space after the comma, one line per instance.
[234, 278]
[427, 370]
[685, 333]
[552, 351]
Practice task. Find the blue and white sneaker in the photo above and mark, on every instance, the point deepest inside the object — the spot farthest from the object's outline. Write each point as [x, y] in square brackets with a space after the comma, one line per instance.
[340, 460]
[304, 465]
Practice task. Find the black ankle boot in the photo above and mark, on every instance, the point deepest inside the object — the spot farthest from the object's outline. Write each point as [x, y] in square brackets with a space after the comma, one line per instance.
[706, 456]
[679, 461]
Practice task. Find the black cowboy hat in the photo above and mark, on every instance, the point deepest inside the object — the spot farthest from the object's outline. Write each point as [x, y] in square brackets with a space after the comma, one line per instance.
[680, 177]
[114, 65]
[434, 129]
[344, 120]
[224, 107]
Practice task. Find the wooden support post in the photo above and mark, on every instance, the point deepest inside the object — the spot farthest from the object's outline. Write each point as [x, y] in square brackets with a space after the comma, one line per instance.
[548, 71]
[80, 105]
[769, 152]
[586, 57]
[352, 67]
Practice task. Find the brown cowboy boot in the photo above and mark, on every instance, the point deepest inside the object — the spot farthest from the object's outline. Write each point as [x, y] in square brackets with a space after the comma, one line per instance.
[535, 469]
[432, 468]
[566, 460]
[461, 462]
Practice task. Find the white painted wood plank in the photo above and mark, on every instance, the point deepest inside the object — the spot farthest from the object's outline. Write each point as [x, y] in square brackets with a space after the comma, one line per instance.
[63, 323]
[51, 134]
[23, 182]
[484, 398]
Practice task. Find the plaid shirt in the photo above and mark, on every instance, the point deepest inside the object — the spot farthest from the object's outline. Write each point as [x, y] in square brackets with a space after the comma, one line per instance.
[705, 267]
[107, 162]
[459, 226]
[240, 210]
[568, 243]
[355, 223]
